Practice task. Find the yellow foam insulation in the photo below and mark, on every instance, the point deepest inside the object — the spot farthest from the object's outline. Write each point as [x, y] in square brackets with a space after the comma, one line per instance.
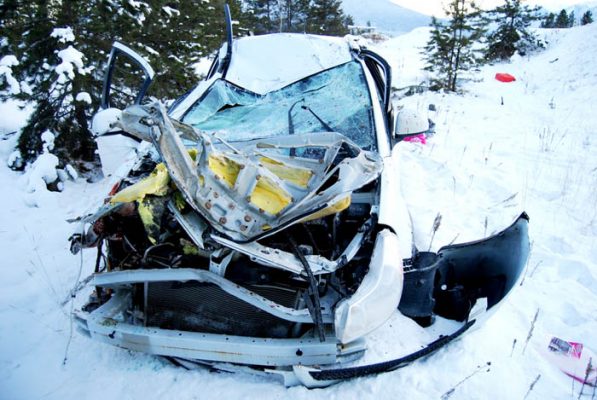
[224, 168]
[146, 212]
[333, 209]
[156, 184]
[179, 200]
[269, 197]
[297, 176]
[189, 248]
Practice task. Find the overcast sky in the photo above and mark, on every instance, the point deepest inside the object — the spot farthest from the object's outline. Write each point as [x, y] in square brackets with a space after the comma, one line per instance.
[434, 7]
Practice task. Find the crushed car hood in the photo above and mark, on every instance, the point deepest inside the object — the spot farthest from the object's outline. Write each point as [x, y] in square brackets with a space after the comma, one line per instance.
[251, 189]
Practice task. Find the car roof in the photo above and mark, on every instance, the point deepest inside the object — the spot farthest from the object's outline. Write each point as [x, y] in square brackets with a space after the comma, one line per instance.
[265, 63]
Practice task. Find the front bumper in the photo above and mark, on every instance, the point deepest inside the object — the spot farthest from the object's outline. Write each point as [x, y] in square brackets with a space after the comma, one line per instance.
[106, 324]
[374, 302]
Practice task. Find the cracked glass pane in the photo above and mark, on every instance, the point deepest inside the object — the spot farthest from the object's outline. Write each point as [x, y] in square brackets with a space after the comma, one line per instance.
[333, 100]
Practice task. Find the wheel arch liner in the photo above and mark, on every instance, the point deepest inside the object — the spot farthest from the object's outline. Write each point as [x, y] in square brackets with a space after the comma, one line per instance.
[487, 268]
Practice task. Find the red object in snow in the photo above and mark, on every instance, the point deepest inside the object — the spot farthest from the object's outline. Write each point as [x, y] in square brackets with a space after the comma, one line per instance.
[503, 77]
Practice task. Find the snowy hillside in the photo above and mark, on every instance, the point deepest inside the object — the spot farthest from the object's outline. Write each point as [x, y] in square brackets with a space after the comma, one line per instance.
[404, 55]
[499, 149]
[385, 15]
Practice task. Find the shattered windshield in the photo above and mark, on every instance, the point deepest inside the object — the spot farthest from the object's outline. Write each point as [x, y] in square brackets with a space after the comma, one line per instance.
[335, 100]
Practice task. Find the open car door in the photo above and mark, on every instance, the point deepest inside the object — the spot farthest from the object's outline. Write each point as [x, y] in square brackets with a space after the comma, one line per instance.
[126, 80]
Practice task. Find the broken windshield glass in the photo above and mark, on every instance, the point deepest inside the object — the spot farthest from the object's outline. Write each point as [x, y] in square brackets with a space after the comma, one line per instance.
[333, 100]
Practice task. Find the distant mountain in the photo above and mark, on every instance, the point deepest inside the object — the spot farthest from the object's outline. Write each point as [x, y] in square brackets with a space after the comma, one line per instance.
[580, 9]
[386, 16]
[556, 6]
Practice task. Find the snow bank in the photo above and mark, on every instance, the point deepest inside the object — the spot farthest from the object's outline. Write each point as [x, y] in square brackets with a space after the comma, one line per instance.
[201, 67]
[15, 114]
[42, 173]
[487, 162]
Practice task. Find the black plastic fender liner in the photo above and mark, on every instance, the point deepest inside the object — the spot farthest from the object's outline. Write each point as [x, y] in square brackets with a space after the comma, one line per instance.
[417, 300]
[449, 283]
[390, 365]
[487, 268]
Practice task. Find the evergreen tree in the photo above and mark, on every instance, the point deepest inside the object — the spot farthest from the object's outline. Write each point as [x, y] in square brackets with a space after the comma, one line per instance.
[172, 35]
[571, 19]
[511, 34]
[587, 18]
[50, 70]
[265, 15]
[325, 17]
[270, 16]
[309, 16]
[450, 50]
[549, 21]
[562, 20]
[62, 50]
[294, 15]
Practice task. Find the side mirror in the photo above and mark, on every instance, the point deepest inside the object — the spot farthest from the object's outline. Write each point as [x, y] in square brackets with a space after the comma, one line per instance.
[409, 122]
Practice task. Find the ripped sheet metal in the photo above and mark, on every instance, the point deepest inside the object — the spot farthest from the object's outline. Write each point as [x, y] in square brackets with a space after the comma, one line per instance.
[256, 188]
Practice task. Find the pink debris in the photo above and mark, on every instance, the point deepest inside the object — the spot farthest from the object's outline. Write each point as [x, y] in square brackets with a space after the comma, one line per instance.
[420, 138]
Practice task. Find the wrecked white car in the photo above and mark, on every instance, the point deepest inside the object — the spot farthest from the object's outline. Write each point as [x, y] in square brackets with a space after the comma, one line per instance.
[258, 223]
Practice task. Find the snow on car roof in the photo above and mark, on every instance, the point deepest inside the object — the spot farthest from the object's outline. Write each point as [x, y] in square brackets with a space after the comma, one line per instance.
[269, 62]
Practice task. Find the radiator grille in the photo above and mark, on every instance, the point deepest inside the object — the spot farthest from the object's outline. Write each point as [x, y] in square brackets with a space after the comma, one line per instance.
[205, 307]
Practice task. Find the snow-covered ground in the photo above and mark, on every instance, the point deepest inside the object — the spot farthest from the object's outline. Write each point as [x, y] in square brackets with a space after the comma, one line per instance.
[487, 162]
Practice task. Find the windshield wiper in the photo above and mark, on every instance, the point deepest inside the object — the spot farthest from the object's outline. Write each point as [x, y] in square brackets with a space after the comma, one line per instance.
[327, 127]
[290, 124]
[322, 122]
